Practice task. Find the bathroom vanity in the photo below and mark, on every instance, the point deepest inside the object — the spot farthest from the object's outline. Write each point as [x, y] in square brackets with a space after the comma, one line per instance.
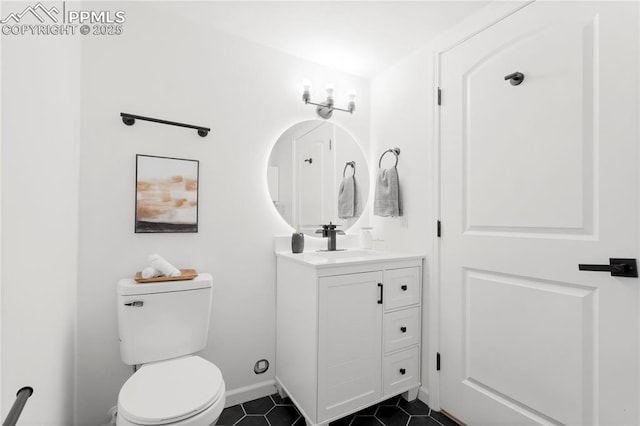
[348, 329]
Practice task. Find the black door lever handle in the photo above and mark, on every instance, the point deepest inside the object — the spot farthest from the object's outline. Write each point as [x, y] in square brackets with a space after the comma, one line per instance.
[618, 267]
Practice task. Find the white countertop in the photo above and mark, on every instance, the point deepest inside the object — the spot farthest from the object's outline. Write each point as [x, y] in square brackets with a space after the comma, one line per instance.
[356, 256]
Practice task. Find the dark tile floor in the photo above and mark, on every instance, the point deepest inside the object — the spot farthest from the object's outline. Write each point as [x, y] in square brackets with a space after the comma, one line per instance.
[275, 411]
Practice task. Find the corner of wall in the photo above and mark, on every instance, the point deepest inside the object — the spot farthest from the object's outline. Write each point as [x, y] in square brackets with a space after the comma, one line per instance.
[2, 413]
[40, 134]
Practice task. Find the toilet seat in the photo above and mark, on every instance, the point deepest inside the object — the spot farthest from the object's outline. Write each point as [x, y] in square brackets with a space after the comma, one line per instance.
[170, 391]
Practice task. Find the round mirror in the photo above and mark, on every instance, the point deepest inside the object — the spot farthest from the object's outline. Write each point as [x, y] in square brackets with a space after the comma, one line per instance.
[318, 174]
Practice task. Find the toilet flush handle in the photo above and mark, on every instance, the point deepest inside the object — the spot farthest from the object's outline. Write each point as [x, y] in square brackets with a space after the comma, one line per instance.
[135, 304]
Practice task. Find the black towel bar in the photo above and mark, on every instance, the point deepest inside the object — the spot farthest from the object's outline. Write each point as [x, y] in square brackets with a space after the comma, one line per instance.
[16, 409]
[130, 119]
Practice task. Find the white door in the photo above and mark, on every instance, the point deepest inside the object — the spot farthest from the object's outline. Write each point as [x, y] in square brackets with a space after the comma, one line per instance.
[350, 343]
[314, 168]
[537, 178]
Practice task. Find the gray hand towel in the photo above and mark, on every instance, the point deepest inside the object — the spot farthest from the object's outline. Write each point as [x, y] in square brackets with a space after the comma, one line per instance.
[387, 200]
[349, 199]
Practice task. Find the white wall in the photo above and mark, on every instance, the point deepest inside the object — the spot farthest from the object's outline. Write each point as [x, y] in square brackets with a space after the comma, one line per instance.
[402, 102]
[1, 409]
[248, 94]
[40, 167]
[401, 116]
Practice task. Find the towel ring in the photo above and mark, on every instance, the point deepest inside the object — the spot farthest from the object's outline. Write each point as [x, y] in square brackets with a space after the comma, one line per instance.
[395, 151]
[352, 164]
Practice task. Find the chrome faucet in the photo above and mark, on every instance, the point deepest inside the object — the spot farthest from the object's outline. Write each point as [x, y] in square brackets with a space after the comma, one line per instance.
[329, 231]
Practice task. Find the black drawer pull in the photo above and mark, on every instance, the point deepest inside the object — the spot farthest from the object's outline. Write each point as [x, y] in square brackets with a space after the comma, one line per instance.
[403, 371]
[403, 287]
[403, 329]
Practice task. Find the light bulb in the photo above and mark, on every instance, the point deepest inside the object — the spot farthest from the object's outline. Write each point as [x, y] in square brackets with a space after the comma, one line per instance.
[351, 97]
[330, 90]
[306, 91]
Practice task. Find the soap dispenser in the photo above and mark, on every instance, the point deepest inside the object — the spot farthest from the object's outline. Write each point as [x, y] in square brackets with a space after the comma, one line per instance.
[297, 241]
[366, 240]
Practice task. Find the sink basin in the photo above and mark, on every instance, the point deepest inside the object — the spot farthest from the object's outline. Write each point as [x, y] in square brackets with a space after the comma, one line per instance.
[343, 254]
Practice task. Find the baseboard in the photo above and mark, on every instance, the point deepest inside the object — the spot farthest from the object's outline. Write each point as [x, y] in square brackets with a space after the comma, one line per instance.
[268, 387]
[423, 394]
[251, 392]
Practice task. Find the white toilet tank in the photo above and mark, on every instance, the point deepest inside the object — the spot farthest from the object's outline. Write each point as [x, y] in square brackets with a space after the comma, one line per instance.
[163, 320]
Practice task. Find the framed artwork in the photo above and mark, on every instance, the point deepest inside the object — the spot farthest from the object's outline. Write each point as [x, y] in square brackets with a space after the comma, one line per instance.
[166, 194]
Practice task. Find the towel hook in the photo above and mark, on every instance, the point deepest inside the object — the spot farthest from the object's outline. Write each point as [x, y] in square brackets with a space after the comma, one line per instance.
[515, 78]
[352, 164]
[395, 151]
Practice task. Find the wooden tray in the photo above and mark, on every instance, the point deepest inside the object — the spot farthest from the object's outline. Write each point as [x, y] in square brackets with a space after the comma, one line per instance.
[187, 274]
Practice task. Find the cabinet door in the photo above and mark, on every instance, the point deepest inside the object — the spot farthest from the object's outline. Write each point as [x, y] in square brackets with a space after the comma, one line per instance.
[350, 343]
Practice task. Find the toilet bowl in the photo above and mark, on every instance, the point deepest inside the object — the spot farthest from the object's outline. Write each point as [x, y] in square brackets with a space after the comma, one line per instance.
[182, 391]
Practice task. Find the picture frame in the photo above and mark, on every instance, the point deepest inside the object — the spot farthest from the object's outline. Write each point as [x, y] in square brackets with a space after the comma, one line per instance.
[166, 194]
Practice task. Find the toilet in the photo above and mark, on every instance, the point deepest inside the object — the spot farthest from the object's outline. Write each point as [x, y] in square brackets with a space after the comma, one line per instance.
[161, 325]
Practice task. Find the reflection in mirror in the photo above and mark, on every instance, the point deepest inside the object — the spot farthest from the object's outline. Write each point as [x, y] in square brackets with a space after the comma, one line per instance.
[318, 174]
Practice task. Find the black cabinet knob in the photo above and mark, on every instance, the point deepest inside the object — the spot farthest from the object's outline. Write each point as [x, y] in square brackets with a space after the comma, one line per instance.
[403, 287]
[403, 371]
[403, 329]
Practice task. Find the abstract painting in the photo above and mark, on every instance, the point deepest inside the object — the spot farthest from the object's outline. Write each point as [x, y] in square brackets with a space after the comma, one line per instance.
[166, 194]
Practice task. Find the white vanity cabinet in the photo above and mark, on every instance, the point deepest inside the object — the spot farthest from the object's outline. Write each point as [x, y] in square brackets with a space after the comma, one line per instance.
[348, 332]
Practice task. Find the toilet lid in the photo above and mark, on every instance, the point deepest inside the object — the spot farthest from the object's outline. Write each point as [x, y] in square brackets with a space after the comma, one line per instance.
[170, 391]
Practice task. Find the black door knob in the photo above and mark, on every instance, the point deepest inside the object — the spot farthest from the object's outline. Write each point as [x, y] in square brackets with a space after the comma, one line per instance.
[403, 371]
[403, 287]
[403, 329]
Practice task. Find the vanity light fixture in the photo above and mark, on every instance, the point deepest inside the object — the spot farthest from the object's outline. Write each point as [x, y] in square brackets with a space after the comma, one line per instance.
[326, 109]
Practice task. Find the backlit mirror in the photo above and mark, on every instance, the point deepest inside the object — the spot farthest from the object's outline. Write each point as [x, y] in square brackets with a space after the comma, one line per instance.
[318, 174]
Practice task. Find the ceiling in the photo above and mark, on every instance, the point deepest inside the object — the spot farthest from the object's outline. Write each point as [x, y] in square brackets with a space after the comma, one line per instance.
[357, 37]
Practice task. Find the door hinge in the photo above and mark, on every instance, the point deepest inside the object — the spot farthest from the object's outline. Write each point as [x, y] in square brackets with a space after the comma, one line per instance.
[439, 96]
[439, 232]
[437, 361]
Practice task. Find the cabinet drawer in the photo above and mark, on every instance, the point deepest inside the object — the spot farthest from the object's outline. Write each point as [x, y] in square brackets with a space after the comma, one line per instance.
[401, 371]
[401, 329]
[401, 287]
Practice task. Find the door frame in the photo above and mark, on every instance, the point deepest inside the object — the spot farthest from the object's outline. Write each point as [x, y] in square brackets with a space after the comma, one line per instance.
[470, 27]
